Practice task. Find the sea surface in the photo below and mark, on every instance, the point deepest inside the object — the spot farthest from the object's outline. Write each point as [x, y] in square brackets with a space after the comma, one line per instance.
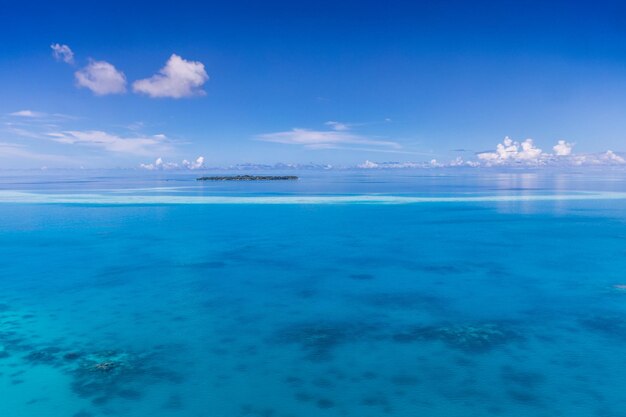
[455, 293]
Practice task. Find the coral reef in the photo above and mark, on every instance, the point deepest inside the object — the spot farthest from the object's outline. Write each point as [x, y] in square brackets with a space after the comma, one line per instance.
[47, 355]
[319, 339]
[609, 325]
[467, 337]
[107, 374]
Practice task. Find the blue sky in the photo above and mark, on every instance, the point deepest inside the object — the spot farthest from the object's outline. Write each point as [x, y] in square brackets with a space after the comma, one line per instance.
[307, 81]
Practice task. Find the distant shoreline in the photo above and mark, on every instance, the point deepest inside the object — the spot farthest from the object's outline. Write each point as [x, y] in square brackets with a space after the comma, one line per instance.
[250, 178]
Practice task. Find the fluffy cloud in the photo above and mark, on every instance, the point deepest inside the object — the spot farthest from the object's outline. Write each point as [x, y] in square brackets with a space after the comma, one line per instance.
[562, 148]
[608, 158]
[139, 145]
[161, 165]
[178, 78]
[323, 139]
[460, 162]
[102, 78]
[512, 151]
[62, 53]
[368, 165]
[613, 158]
[197, 164]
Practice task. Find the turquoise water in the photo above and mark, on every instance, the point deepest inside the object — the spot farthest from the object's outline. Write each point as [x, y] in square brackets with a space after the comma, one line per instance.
[378, 294]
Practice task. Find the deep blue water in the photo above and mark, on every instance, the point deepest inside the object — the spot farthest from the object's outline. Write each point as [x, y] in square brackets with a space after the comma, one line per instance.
[452, 308]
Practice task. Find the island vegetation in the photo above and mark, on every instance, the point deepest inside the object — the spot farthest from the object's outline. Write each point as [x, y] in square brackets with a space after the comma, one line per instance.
[250, 178]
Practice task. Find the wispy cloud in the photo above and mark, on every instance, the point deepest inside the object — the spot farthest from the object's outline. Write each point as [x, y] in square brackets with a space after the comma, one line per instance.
[337, 125]
[23, 132]
[67, 130]
[177, 79]
[15, 150]
[102, 78]
[28, 113]
[338, 137]
[62, 53]
[135, 145]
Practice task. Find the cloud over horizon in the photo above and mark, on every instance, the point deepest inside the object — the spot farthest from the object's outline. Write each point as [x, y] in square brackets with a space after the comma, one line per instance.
[161, 165]
[563, 148]
[177, 79]
[511, 153]
[510, 150]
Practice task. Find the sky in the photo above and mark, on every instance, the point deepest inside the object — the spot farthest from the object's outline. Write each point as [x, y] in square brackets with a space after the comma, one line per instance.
[395, 83]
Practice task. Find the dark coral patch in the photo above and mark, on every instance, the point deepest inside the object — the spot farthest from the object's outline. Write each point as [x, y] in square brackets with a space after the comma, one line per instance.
[319, 339]
[104, 375]
[608, 325]
[362, 277]
[521, 378]
[471, 338]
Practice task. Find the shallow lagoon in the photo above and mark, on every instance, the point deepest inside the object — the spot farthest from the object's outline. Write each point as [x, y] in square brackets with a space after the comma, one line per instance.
[453, 308]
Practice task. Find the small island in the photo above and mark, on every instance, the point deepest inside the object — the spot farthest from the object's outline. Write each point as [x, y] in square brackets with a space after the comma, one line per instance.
[249, 178]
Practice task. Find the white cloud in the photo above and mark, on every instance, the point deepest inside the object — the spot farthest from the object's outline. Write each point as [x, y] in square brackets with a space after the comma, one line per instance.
[197, 164]
[607, 158]
[159, 165]
[513, 151]
[178, 78]
[368, 165]
[26, 133]
[529, 151]
[337, 125]
[613, 158]
[327, 139]
[14, 150]
[136, 145]
[27, 113]
[563, 148]
[62, 53]
[459, 162]
[433, 163]
[393, 165]
[101, 78]
[510, 152]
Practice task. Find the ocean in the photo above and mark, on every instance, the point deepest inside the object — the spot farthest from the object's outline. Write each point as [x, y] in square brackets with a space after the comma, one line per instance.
[352, 293]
